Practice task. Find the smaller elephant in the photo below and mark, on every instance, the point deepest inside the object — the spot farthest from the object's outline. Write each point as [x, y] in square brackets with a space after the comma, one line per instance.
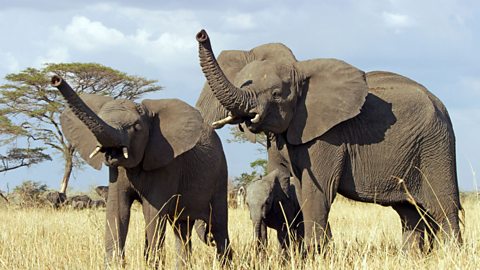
[102, 191]
[56, 199]
[273, 202]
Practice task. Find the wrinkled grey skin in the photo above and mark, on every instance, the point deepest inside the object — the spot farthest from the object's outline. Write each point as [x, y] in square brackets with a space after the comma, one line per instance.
[372, 137]
[56, 199]
[102, 191]
[272, 201]
[156, 151]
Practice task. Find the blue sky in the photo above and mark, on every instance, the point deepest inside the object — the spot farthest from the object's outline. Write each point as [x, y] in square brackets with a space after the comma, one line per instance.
[433, 42]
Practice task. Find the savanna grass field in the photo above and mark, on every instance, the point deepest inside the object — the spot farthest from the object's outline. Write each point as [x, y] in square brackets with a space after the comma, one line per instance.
[366, 236]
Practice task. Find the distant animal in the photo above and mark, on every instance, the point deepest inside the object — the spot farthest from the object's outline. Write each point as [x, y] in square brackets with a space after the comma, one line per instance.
[102, 191]
[273, 201]
[97, 204]
[79, 201]
[56, 199]
[241, 197]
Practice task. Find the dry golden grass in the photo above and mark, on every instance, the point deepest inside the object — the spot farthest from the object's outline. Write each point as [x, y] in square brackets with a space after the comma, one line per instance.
[366, 236]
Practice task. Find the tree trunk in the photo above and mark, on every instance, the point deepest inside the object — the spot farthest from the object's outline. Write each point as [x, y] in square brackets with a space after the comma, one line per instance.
[67, 169]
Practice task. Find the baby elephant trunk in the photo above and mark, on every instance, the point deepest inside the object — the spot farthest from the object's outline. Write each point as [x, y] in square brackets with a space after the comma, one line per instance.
[261, 234]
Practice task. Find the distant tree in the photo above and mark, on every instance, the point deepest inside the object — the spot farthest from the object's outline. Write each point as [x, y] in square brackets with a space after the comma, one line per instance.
[28, 194]
[21, 157]
[239, 137]
[30, 107]
[259, 165]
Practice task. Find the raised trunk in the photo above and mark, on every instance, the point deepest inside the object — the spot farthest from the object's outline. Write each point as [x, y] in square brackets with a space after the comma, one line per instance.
[106, 135]
[234, 99]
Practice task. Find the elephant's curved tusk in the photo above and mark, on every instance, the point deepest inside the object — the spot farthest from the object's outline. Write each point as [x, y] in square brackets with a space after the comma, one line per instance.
[95, 152]
[125, 152]
[256, 119]
[222, 122]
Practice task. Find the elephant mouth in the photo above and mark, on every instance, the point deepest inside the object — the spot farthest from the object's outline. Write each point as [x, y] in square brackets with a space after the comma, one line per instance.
[114, 155]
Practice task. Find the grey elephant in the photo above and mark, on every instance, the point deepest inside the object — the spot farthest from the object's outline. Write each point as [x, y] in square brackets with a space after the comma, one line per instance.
[80, 205]
[56, 199]
[79, 202]
[102, 191]
[160, 153]
[374, 137]
[273, 202]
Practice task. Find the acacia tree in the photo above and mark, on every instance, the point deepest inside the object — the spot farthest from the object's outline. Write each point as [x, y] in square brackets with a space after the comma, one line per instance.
[22, 157]
[30, 108]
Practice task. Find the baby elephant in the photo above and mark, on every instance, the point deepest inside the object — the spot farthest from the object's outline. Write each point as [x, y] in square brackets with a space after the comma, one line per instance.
[273, 202]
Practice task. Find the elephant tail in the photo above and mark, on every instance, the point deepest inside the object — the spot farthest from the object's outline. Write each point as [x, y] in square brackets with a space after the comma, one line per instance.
[203, 232]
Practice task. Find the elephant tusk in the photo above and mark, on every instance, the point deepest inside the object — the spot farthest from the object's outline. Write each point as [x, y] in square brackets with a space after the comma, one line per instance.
[125, 152]
[95, 152]
[256, 119]
[222, 122]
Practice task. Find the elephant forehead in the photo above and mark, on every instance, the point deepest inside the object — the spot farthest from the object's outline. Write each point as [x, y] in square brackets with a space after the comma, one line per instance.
[119, 112]
[257, 187]
[257, 73]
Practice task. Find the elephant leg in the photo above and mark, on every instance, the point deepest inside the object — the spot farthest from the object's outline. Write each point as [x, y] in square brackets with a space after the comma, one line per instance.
[449, 228]
[219, 227]
[183, 230]
[155, 225]
[284, 238]
[316, 208]
[118, 217]
[413, 227]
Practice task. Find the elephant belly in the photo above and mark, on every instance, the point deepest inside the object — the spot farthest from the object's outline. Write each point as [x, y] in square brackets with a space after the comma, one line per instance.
[384, 146]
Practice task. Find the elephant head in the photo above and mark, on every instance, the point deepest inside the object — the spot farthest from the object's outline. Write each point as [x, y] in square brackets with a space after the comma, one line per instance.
[149, 134]
[268, 90]
[263, 198]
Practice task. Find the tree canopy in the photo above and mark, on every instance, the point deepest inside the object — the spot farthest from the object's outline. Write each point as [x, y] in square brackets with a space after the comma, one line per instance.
[30, 107]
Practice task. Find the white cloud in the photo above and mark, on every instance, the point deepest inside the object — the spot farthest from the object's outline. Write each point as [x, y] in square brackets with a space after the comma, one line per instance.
[397, 21]
[87, 35]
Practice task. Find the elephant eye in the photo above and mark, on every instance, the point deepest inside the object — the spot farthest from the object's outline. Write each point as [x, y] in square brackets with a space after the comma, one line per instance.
[137, 127]
[276, 94]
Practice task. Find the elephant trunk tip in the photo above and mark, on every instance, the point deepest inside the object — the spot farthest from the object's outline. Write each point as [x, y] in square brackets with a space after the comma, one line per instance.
[202, 36]
[56, 80]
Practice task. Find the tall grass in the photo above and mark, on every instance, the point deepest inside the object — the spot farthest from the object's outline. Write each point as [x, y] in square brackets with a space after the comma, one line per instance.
[366, 236]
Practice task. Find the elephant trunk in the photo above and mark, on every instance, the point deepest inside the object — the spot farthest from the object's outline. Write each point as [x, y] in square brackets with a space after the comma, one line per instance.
[106, 135]
[261, 234]
[234, 99]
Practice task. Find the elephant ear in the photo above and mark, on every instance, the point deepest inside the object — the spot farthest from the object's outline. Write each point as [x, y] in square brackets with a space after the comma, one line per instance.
[77, 132]
[175, 128]
[333, 92]
[231, 62]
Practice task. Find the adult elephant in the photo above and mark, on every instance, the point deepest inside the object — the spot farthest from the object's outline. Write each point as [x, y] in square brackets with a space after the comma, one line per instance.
[372, 137]
[157, 152]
